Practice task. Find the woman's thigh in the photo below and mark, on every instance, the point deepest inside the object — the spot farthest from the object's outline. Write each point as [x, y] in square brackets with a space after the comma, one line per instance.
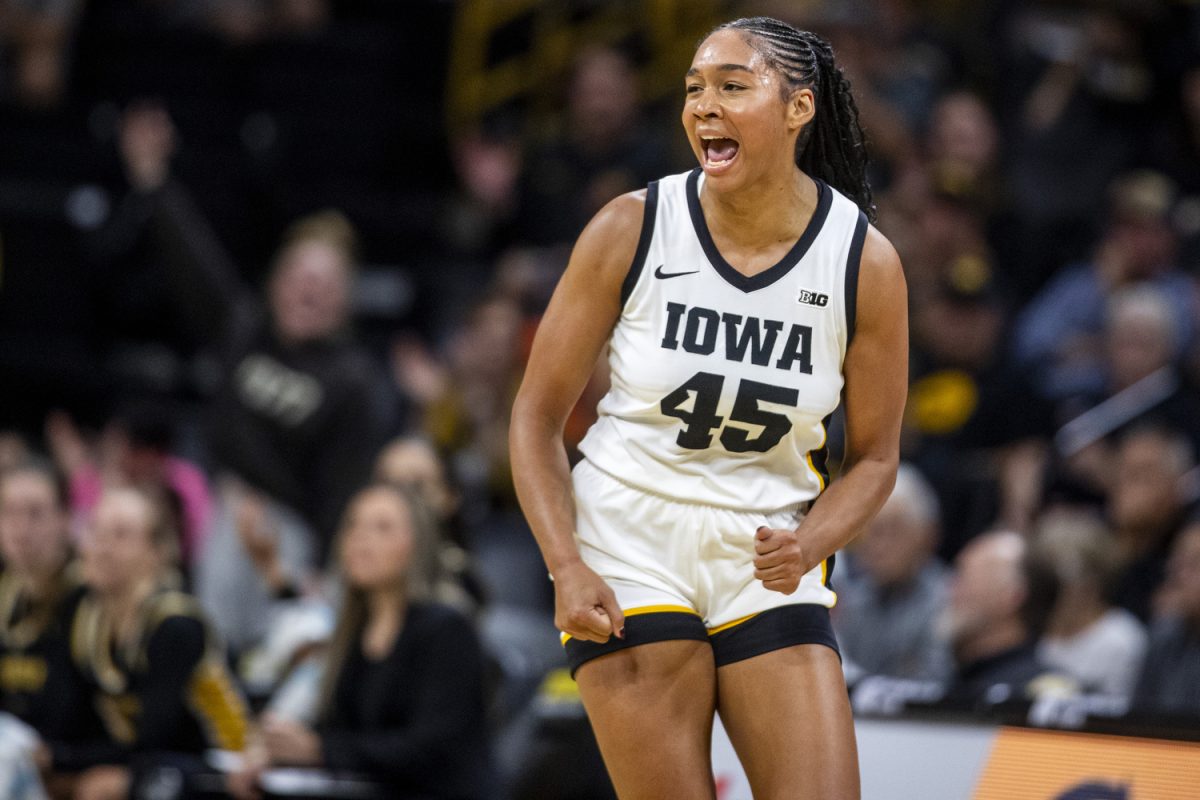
[651, 708]
[788, 716]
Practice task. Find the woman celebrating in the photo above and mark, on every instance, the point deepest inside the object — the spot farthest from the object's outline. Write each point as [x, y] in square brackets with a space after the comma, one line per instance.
[402, 698]
[689, 551]
[159, 680]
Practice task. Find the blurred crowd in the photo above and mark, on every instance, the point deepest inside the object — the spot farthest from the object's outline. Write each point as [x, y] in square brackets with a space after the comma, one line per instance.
[262, 317]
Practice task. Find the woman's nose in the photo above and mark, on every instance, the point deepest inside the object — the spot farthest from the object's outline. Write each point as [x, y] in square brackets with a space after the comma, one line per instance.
[707, 106]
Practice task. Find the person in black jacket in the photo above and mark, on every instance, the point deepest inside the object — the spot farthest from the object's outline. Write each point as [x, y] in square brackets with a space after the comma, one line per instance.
[402, 699]
[1170, 675]
[300, 408]
[157, 677]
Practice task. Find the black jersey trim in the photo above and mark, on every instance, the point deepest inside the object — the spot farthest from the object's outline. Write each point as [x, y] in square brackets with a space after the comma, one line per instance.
[750, 283]
[643, 245]
[820, 456]
[853, 261]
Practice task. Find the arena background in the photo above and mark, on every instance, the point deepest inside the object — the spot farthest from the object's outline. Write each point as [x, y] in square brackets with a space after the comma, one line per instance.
[1036, 164]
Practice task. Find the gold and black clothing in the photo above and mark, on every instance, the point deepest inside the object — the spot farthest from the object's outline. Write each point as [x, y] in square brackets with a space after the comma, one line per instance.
[37, 681]
[164, 689]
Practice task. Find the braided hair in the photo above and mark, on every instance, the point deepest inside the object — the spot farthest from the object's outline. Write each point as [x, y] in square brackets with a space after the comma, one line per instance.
[832, 146]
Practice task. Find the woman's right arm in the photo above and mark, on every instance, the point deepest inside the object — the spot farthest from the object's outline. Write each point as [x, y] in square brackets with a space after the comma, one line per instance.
[569, 340]
[207, 288]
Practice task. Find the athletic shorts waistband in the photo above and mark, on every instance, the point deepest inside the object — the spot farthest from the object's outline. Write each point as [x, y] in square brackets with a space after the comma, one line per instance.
[802, 507]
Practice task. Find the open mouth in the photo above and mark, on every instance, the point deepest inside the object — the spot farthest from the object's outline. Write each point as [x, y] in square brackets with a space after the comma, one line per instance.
[718, 151]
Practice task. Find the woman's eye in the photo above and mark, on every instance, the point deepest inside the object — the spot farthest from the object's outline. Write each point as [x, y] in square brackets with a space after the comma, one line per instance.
[730, 87]
[694, 88]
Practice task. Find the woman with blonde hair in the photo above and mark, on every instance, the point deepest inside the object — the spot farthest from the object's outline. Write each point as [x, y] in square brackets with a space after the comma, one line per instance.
[1097, 643]
[156, 672]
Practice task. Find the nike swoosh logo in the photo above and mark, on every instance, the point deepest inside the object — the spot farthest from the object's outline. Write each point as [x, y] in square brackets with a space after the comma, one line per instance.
[658, 273]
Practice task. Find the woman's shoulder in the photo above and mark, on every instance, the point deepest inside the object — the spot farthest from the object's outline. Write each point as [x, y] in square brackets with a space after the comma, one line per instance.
[621, 216]
[879, 254]
[881, 278]
[607, 245]
[1122, 627]
[175, 615]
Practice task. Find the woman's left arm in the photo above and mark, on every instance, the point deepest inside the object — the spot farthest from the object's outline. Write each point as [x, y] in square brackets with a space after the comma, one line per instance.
[876, 375]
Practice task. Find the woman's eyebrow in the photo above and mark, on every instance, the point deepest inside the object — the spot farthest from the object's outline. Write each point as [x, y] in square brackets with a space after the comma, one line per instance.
[723, 68]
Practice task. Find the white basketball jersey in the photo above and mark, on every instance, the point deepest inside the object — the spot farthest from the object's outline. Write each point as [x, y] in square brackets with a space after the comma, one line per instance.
[722, 384]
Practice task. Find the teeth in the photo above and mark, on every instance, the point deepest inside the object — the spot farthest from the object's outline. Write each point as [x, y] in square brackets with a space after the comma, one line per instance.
[713, 163]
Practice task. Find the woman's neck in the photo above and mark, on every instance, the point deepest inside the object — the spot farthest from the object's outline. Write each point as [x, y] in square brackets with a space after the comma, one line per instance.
[40, 585]
[1076, 610]
[762, 213]
[385, 616]
[122, 604]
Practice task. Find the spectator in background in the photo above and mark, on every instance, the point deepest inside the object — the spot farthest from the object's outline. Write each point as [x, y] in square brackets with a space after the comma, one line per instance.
[134, 450]
[479, 215]
[412, 463]
[895, 78]
[941, 202]
[1059, 334]
[971, 420]
[1086, 637]
[999, 601]
[962, 150]
[280, 648]
[1170, 676]
[300, 409]
[14, 450]
[38, 596]
[477, 221]
[1076, 75]
[402, 698]
[35, 36]
[299, 625]
[1148, 501]
[603, 151]
[886, 612]
[157, 675]
[1142, 383]
[466, 401]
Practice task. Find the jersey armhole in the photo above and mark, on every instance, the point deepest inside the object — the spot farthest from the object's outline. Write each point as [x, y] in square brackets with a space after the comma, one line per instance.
[643, 245]
[853, 261]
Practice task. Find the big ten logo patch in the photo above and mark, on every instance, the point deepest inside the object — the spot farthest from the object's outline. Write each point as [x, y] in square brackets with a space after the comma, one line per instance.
[811, 298]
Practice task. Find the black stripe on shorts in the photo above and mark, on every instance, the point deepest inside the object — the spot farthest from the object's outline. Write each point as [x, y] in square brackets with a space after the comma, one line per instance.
[658, 626]
[774, 629]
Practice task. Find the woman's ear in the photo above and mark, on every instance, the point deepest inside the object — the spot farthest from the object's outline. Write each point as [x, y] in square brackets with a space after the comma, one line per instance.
[802, 106]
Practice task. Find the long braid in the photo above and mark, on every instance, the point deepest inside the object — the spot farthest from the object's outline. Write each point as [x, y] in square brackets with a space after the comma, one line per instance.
[832, 146]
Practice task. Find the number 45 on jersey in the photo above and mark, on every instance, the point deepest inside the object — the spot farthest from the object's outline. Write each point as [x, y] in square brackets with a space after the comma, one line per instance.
[703, 419]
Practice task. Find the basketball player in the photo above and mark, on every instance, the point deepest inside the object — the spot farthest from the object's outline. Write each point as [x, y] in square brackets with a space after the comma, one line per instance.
[740, 302]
